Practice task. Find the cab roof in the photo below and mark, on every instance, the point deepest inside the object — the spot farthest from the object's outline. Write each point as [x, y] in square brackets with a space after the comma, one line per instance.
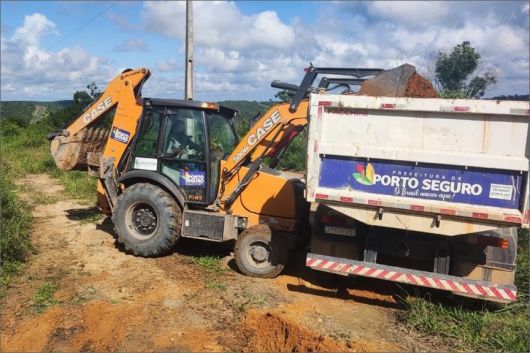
[184, 103]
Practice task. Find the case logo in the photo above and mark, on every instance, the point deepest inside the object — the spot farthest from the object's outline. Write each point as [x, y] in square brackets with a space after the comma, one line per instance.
[98, 110]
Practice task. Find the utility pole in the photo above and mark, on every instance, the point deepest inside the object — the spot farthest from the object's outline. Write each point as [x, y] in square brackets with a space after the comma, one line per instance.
[188, 93]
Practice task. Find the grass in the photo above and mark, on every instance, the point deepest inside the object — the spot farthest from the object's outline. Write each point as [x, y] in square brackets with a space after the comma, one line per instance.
[211, 264]
[15, 226]
[467, 329]
[44, 297]
[250, 300]
[25, 150]
[213, 271]
[86, 294]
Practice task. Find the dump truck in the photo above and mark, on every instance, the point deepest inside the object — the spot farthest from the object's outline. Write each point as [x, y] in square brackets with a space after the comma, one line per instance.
[170, 168]
[423, 191]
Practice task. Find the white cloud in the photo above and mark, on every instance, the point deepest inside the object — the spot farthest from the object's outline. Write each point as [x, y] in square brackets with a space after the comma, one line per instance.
[219, 24]
[35, 26]
[37, 72]
[410, 12]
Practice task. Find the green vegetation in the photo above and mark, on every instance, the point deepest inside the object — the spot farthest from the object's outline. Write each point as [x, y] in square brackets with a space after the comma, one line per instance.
[468, 329]
[456, 75]
[26, 150]
[249, 299]
[15, 222]
[211, 264]
[294, 157]
[23, 112]
[44, 297]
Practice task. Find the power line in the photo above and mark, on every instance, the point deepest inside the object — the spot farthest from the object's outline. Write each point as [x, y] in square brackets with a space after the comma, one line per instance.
[83, 25]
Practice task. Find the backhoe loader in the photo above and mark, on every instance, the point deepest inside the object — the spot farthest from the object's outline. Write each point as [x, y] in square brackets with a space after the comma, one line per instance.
[173, 168]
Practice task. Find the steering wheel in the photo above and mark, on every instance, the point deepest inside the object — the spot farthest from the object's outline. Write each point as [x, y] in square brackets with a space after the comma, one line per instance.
[177, 152]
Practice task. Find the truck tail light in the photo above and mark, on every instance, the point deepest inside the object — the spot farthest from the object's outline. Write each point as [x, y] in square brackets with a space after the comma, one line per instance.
[495, 242]
[336, 219]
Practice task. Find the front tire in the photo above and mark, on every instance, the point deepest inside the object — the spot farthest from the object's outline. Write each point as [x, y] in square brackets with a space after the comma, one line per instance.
[147, 220]
[260, 253]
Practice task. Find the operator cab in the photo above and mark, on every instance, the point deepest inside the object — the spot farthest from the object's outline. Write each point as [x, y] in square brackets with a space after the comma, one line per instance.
[184, 141]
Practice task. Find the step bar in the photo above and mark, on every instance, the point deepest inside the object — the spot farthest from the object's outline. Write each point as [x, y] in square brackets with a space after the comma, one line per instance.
[458, 285]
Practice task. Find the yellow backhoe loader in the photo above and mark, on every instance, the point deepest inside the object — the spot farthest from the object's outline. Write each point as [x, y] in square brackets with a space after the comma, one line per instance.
[176, 168]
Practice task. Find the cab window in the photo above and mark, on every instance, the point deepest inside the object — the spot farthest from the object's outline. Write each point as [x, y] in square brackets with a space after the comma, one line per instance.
[183, 152]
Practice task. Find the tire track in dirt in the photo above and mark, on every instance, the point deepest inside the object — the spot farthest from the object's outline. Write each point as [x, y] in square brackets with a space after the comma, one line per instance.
[112, 301]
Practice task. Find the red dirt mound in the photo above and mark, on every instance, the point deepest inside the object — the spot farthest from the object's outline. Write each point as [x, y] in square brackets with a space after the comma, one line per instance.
[270, 333]
[419, 87]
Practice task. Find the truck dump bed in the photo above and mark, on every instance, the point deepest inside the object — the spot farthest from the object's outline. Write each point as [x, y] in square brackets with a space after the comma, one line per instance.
[439, 166]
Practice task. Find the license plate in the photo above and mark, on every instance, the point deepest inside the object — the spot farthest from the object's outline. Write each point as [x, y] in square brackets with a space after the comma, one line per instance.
[339, 230]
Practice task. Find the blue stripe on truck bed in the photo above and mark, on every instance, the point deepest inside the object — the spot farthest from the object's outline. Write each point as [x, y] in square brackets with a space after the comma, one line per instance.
[477, 187]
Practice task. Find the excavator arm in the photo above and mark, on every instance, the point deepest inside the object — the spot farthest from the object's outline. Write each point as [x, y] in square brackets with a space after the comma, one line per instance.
[77, 146]
[266, 138]
[282, 122]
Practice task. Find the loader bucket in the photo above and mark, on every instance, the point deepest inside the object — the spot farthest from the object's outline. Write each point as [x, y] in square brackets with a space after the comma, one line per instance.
[402, 81]
[77, 152]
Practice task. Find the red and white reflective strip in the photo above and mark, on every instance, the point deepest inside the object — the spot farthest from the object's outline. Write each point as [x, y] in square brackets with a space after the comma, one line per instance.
[502, 217]
[455, 108]
[481, 289]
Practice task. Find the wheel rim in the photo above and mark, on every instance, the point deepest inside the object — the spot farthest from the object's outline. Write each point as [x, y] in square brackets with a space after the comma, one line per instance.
[259, 254]
[142, 220]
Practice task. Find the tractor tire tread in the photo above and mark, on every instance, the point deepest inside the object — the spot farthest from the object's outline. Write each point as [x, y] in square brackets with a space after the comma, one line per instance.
[261, 230]
[168, 239]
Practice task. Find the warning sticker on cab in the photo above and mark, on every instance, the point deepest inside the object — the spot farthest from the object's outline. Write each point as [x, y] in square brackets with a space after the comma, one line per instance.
[145, 163]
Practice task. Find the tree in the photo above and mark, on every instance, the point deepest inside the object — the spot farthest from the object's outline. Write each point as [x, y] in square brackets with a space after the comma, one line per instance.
[283, 96]
[82, 98]
[94, 91]
[454, 73]
[81, 101]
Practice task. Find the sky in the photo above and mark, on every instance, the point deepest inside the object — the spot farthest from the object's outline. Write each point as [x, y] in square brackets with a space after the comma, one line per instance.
[50, 49]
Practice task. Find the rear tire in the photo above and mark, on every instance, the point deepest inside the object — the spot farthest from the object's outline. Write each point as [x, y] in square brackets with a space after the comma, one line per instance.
[260, 253]
[147, 220]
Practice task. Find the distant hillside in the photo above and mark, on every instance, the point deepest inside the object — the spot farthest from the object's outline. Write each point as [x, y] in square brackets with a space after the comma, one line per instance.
[513, 97]
[25, 112]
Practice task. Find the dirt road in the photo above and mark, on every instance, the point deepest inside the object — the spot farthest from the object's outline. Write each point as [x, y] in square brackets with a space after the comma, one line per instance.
[107, 300]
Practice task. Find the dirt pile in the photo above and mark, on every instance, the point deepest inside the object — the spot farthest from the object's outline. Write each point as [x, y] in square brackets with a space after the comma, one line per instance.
[270, 333]
[402, 81]
[418, 87]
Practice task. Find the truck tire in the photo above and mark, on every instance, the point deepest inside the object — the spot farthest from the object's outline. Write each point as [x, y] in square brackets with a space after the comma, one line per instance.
[260, 253]
[147, 220]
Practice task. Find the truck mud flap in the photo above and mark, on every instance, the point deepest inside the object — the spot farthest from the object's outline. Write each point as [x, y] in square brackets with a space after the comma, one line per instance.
[457, 285]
